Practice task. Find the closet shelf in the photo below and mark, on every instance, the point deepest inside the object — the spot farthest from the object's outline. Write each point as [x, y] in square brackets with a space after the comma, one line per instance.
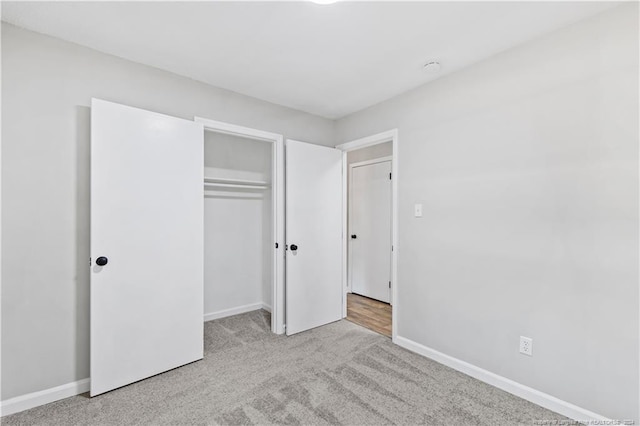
[235, 183]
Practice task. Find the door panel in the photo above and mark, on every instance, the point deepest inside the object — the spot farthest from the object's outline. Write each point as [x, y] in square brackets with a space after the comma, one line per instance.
[314, 225]
[370, 222]
[147, 220]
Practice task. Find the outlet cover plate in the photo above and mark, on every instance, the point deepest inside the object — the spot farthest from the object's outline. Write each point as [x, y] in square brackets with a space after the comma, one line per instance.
[526, 346]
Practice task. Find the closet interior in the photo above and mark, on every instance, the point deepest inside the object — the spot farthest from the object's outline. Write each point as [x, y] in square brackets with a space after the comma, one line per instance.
[238, 225]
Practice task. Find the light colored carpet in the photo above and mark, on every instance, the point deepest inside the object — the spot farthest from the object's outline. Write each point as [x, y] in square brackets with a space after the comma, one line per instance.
[337, 374]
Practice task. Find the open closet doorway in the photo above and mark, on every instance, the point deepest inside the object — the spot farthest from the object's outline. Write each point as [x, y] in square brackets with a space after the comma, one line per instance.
[369, 221]
[243, 222]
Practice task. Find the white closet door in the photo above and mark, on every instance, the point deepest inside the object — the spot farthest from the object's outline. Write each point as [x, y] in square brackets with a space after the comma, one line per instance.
[147, 223]
[314, 236]
[370, 230]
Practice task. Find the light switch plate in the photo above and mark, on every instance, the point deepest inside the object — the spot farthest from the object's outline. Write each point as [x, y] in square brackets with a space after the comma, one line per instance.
[417, 210]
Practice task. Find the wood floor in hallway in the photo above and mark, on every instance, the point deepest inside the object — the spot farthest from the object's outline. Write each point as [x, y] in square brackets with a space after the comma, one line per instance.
[369, 313]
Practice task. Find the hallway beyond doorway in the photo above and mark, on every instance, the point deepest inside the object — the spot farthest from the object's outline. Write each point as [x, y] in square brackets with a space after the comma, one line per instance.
[369, 313]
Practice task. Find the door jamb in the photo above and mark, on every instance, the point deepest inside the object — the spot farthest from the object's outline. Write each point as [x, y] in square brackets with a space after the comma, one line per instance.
[388, 136]
[352, 166]
[277, 205]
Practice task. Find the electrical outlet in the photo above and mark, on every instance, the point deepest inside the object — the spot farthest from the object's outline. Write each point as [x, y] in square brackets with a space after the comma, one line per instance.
[526, 346]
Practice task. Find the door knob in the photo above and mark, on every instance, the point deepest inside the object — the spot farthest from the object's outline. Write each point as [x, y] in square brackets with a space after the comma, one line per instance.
[354, 236]
[294, 247]
[101, 261]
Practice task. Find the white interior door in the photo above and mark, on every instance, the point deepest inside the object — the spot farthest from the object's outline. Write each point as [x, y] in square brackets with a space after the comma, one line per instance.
[147, 223]
[314, 236]
[370, 230]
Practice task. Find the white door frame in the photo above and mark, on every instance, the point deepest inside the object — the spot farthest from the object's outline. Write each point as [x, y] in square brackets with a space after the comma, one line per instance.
[277, 206]
[350, 202]
[388, 136]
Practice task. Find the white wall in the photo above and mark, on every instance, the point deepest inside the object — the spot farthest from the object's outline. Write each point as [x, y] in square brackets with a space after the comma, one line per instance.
[238, 240]
[527, 167]
[47, 85]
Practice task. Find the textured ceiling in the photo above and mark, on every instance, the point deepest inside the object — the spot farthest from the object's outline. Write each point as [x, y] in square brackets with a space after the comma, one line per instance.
[328, 60]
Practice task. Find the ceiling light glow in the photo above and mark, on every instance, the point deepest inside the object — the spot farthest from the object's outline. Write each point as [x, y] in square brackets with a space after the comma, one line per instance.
[324, 1]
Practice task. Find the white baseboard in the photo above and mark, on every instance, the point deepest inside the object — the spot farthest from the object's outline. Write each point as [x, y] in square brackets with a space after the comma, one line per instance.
[34, 399]
[235, 311]
[540, 398]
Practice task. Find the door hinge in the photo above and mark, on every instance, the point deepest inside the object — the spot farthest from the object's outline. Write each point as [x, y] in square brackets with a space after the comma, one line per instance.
[89, 261]
[276, 245]
[389, 176]
[389, 284]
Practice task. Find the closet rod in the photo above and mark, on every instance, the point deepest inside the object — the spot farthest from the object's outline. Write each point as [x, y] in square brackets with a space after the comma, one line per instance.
[233, 185]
